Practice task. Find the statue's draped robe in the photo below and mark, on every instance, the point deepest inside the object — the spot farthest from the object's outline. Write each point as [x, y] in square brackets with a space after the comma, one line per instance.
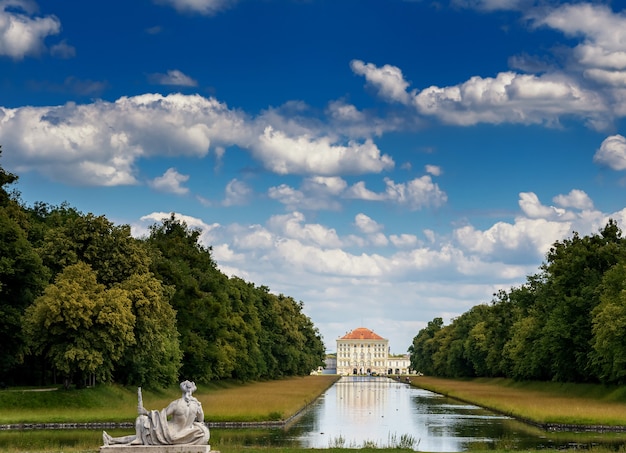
[154, 430]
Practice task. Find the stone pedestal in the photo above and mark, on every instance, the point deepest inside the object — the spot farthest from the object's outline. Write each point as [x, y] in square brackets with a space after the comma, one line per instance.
[157, 449]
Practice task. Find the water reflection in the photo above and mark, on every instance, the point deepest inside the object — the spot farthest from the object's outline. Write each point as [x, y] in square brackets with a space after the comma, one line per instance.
[358, 410]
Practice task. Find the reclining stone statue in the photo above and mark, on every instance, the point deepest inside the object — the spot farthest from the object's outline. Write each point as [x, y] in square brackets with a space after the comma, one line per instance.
[180, 423]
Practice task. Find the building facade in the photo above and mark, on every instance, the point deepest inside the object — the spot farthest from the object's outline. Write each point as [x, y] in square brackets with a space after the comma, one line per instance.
[363, 352]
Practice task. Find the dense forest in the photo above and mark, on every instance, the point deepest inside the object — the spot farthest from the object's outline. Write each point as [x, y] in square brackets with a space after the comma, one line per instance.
[567, 323]
[82, 301]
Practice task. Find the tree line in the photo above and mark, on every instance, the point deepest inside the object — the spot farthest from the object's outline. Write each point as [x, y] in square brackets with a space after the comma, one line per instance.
[83, 301]
[566, 323]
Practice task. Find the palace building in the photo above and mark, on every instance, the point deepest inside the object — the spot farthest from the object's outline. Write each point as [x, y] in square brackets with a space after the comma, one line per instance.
[363, 352]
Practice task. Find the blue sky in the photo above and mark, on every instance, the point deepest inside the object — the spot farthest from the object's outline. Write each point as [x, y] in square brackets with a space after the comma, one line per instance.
[384, 162]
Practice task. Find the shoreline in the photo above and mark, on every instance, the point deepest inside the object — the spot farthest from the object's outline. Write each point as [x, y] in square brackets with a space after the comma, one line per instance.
[545, 426]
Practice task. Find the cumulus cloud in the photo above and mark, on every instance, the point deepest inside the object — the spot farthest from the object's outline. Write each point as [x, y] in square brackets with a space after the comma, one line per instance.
[603, 31]
[434, 170]
[403, 240]
[294, 226]
[237, 193]
[99, 143]
[366, 224]
[600, 57]
[305, 155]
[22, 33]
[360, 192]
[172, 77]
[204, 7]
[534, 209]
[528, 239]
[612, 153]
[511, 98]
[171, 182]
[590, 86]
[416, 194]
[316, 192]
[388, 80]
[576, 199]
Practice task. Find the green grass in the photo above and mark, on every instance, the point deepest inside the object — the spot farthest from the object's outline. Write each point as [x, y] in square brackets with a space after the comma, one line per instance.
[222, 401]
[539, 402]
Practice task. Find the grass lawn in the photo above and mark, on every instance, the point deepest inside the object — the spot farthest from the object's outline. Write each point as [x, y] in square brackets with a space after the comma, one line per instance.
[539, 402]
[222, 401]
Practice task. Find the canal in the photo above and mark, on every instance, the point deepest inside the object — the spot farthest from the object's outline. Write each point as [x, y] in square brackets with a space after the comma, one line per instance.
[382, 412]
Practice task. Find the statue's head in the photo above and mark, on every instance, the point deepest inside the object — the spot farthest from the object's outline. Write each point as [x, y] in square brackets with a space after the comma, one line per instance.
[188, 386]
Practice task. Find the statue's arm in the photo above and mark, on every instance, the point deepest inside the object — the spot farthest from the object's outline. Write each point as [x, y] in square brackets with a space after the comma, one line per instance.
[140, 409]
[200, 414]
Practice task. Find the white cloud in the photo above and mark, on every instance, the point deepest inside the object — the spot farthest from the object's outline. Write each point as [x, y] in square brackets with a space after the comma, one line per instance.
[237, 193]
[171, 181]
[307, 155]
[205, 7]
[360, 192]
[492, 5]
[603, 30]
[416, 194]
[612, 153]
[527, 239]
[366, 224]
[387, 79]
[63, 50]
[173, 77]
[99, 143]
[403, 240]
[576, 199]
[21, 33]
[434, 170]
[316, 192]
[532, 207]
[343, 112]
[293, 226]
[511, 98]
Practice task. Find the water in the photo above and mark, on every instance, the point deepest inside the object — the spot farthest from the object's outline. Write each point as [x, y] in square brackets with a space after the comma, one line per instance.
[360, 411]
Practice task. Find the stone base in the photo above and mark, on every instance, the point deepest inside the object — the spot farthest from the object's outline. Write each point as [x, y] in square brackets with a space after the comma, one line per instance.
[157, 449]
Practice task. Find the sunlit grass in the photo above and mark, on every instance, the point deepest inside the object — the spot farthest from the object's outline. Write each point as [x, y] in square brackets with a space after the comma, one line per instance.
[540, 402]
[222, 401]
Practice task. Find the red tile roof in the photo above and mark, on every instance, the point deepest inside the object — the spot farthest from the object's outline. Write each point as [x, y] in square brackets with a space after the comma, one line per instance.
[361, 333]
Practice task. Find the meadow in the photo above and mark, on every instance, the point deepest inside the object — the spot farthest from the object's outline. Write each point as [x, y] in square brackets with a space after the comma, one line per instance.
[541, 403]
[222, 401]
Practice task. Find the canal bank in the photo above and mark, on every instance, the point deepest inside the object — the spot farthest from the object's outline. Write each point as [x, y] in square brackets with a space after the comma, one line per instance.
[549, 406]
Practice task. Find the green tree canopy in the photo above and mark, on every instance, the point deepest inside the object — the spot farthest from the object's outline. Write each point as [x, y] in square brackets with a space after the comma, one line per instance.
[80, 326]
[154, 360]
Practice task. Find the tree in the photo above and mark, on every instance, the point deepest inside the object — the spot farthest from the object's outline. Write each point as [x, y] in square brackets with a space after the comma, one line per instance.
[109, 249]
[22, 277]
[200, 299]
[572, 276]
[424, 347]
[155, 358]
[608, 355]
[81, 327]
